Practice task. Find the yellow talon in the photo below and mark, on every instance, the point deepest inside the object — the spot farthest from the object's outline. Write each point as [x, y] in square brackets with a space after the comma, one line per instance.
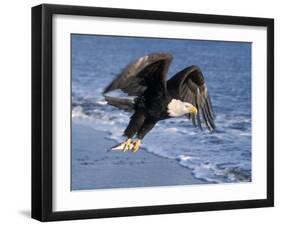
[136, 145]
[127, 145]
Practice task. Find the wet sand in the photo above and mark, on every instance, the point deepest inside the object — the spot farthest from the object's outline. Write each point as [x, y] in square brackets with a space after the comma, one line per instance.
[94, 167]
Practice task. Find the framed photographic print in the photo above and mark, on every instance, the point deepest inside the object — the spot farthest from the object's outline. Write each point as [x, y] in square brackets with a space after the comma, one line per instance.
[146, 112]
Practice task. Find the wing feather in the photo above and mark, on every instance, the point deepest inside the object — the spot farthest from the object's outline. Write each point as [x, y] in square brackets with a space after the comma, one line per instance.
[139, 75]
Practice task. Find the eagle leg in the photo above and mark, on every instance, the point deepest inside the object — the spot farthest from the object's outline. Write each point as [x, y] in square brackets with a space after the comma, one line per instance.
[136, 145]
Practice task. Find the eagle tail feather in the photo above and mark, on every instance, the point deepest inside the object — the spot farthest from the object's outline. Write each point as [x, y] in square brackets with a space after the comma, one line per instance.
[123, 103]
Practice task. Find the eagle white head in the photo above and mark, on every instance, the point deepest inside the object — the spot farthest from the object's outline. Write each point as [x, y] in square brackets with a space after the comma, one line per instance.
[178, 108]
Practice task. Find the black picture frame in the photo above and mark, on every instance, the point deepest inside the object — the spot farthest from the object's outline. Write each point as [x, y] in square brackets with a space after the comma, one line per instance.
[42, 107]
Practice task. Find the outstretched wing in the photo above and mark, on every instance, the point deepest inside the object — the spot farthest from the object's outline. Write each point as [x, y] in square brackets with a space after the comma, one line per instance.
[147, 71]
[189, 86]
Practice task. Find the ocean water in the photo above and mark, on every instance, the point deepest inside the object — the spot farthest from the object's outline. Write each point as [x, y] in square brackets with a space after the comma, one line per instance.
[220, 157]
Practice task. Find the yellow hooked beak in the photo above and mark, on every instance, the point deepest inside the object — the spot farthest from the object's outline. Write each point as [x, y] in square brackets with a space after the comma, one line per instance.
[193, 110]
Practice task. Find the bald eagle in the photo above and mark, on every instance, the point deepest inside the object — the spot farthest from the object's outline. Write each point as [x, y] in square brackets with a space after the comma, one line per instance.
[151, 98]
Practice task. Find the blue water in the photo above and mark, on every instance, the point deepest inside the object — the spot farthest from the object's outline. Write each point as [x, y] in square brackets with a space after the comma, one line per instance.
[219, 157]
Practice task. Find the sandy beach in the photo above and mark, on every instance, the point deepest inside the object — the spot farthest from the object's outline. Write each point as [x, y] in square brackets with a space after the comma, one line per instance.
[93, 167]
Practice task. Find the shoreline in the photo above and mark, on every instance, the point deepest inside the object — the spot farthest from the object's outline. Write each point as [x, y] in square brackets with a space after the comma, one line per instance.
[93, 167]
